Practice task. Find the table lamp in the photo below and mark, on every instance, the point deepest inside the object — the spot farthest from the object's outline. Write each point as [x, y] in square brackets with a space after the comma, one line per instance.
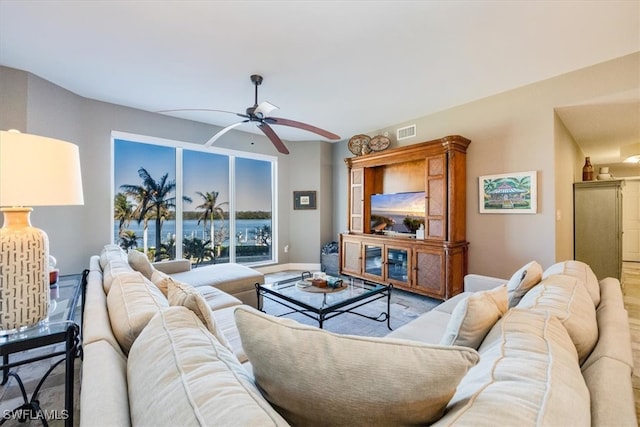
[34, 171]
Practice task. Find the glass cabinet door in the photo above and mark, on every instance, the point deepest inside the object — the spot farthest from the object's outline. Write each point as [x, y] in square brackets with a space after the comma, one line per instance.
[397, 264]
[373, 260]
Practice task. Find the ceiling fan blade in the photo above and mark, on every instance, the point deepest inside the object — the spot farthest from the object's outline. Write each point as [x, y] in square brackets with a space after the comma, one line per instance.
[215, 137]
[264, 108]
[205, 110]
[273, 137]
[303, 126]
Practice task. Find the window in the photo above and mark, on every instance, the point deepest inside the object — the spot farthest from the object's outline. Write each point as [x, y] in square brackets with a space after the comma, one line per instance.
[208, 206]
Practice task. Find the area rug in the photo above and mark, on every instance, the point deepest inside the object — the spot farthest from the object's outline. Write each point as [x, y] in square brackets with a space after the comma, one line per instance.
[405, 307]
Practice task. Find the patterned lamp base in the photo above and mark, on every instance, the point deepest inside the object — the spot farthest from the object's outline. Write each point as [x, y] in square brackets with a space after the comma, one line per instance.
[24, 275]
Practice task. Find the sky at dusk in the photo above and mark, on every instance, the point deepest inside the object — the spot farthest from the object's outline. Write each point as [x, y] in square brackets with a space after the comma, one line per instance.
[204, 172]
[400, 203]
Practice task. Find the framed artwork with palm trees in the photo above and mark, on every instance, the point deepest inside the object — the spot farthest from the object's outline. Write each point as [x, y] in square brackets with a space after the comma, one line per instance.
[513, 193]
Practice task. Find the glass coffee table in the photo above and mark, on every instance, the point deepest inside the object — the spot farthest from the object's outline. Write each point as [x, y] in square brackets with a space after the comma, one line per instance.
[322, 304]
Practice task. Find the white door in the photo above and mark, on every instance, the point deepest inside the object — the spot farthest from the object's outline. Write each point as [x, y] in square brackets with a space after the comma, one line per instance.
[631, 221]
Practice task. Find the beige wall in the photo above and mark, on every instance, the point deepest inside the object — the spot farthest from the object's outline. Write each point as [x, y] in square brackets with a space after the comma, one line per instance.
[37, 106]
[512, 132]
[569, 160]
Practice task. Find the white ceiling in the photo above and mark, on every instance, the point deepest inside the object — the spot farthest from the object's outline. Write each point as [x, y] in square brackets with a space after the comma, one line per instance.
[346, 66]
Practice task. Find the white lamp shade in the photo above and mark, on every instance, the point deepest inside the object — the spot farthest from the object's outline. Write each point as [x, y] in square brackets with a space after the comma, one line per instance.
[38, 171]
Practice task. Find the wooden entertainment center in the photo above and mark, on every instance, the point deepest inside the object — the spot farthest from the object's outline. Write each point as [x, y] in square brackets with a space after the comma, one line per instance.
[434, 266]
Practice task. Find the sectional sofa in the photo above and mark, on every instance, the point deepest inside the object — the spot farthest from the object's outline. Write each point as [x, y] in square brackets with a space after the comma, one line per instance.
[545, 348]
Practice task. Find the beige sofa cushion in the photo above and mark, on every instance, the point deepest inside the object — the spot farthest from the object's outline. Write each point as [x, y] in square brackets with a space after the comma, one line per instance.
[180, 375]
[111, 270]
[473, 317]
[216, 299]
[581, 271]
[96, 325]
[182, 294]
[614, 334]
[522, 280]
[139, 262]
[230, 277]
[111, 252]
[528, 375]
[428, 328]
[566, 298]
[348, 380]
[225, 320]
[132, 302]
[104, 380]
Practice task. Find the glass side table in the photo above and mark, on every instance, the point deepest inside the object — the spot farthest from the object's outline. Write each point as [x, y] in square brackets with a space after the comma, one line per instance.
[60, 326]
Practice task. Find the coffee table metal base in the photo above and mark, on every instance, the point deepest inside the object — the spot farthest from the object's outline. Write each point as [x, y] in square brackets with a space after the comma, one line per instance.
[327, 312]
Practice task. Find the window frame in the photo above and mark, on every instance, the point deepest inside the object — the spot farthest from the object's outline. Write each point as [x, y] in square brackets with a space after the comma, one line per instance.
[232, 155]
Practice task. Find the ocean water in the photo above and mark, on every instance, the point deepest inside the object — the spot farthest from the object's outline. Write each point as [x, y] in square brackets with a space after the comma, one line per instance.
[398, 224]
[191, 228]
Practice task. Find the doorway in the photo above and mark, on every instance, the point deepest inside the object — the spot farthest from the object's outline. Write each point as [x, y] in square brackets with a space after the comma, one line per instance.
[631, 220]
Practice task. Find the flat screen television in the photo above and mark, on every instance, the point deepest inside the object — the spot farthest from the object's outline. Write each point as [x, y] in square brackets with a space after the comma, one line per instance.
[397, 212]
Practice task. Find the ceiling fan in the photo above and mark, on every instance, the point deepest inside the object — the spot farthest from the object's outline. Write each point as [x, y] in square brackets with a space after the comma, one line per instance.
[258, 114]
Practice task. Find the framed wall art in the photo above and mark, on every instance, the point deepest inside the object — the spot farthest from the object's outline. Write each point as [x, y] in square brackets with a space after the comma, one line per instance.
[304, 200]
[512, 193]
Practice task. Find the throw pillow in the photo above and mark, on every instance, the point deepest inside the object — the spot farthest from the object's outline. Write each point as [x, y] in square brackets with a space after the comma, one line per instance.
[581, 271]
[181, 294]
[132, 301]
[140, 262]
[473, 317]
[178, 374]
[566, 298]
[109, 253]
[314, 377]
[160, 280]
[523, 280]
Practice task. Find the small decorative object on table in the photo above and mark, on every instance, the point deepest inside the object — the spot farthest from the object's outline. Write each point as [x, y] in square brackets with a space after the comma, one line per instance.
[53, 271]
[320, 281]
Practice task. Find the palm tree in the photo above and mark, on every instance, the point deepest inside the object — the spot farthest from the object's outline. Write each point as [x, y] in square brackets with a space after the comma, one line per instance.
[195, 247]
[155, 200]
[122, 211]
[211, 208]
[139, 194]
[128, 239]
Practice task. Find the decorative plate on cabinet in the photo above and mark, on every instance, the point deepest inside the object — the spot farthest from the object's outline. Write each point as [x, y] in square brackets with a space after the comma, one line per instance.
[379, 143]
[359, 144]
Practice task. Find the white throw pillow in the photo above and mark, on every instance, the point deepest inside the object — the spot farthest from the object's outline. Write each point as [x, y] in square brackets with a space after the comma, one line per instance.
[473, 317]
[140, 262]
[314, 377]
[523, 280]
[181, 294]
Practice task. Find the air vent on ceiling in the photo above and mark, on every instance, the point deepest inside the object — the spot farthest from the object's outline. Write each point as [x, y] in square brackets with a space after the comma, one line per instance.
[406, 132]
